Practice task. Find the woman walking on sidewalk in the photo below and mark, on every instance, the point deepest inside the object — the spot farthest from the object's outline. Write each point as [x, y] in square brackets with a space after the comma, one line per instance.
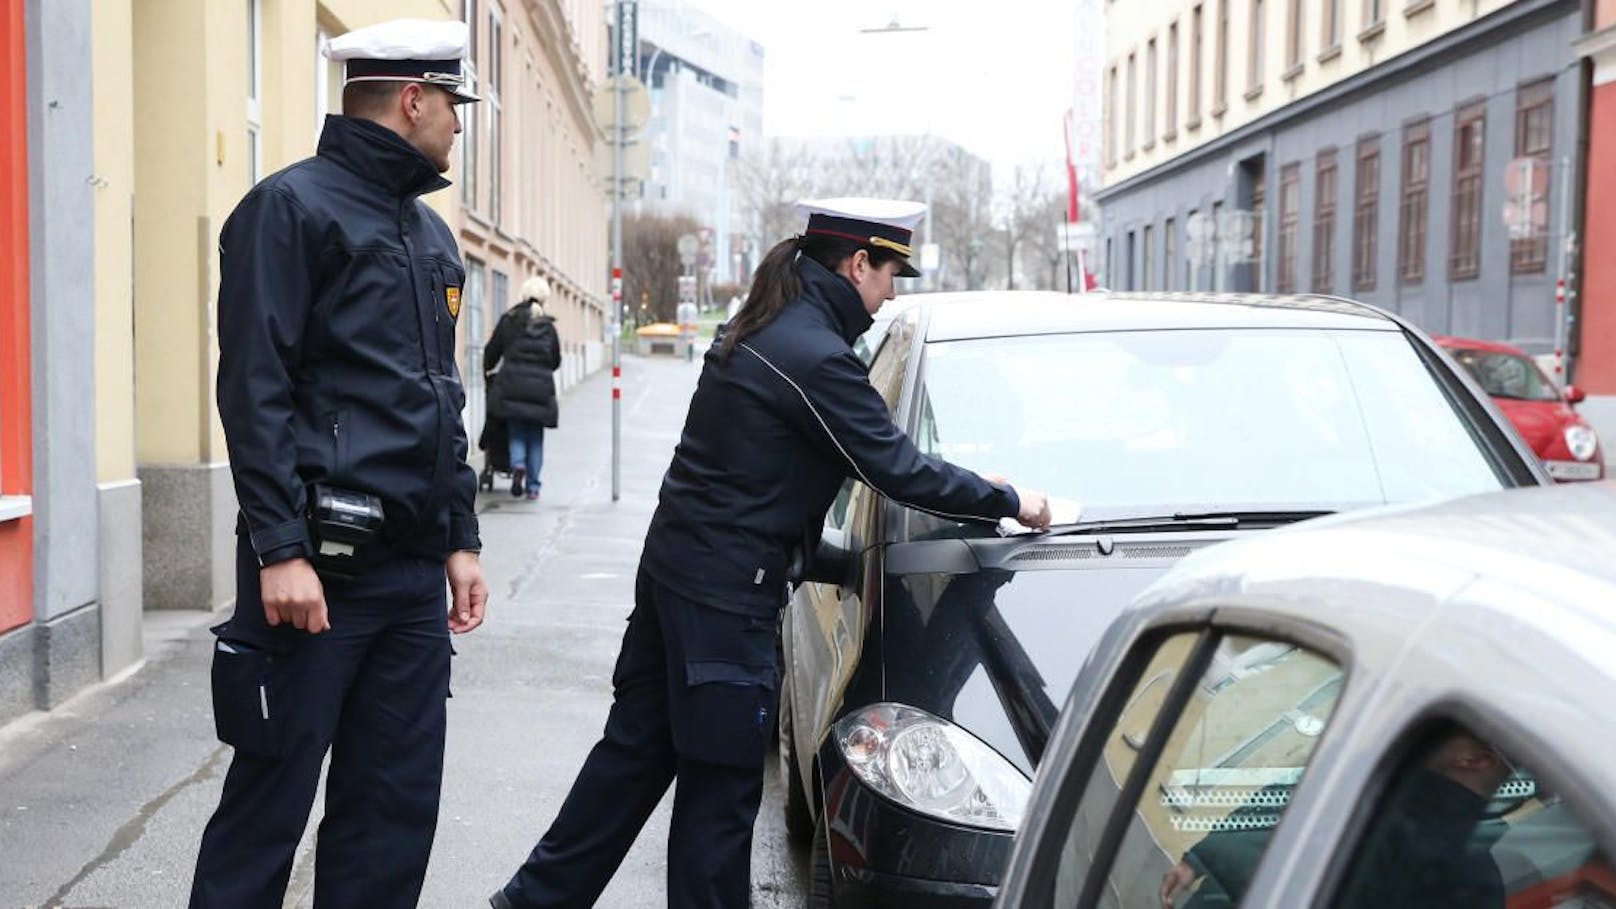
[526, 352]
[782, 413]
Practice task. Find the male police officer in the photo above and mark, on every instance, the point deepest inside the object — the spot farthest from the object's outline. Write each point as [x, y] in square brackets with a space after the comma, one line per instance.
[341, 407]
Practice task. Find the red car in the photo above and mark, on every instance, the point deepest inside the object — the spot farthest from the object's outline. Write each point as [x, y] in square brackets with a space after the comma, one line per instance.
[1541, 412]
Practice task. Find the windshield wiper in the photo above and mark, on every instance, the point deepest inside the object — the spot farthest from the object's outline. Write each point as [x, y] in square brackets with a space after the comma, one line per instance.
[1188, 520]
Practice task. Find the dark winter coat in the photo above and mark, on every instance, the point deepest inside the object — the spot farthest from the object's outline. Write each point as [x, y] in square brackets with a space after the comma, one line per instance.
[338, 294]
[772, 432]
[527, 353]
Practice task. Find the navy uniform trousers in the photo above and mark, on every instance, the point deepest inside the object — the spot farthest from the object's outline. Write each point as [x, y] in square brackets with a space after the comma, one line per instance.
[370, 690]
[694, 690]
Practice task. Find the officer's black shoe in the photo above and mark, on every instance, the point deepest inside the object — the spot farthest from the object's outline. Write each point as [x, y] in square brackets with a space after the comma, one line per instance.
[518, 481]
[498, 900]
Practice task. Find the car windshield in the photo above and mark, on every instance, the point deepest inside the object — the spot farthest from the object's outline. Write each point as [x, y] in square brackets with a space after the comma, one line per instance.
[1507, 375]
[1150, 422]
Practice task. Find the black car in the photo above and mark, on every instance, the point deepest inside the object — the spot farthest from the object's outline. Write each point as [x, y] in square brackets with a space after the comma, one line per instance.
[926, 659]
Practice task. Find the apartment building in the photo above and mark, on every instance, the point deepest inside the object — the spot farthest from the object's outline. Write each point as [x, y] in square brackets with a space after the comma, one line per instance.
[1420, 155]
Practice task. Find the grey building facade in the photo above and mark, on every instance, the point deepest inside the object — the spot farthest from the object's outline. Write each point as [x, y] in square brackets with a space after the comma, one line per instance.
[706, 83]
[1388, 187]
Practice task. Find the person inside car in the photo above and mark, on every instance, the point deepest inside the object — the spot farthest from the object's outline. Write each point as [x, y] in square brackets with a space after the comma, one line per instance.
[1420, 855]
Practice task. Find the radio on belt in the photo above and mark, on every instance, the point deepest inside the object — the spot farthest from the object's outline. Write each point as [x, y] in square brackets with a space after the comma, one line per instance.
[342, 522]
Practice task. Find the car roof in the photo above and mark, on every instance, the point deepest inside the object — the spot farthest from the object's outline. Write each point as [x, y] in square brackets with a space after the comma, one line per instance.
[1550, 548]
[1006, 313]
[1477, 344]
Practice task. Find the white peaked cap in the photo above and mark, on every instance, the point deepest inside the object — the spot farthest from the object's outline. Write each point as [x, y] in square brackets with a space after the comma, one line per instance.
[895, 212]
[401, 39]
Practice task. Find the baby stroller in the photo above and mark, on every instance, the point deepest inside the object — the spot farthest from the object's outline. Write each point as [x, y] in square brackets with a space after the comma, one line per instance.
[495, 441]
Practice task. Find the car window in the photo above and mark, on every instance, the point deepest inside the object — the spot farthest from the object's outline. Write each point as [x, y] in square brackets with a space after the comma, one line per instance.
[1213, 797]
[1086, 824]
[1152, 422]
[1464, 826]
[890, 364]
[1506, 375]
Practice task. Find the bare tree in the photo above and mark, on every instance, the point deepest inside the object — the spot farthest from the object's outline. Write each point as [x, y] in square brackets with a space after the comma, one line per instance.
[962, 219]
[959, 185]
[1042, 247]
[770, 181]
[1019, 213]
[651, 266]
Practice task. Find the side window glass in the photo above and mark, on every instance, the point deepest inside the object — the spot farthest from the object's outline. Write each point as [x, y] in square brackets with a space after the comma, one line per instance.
[1104, 785]
[886, 372]
[841, 507]
[1225, 774]
[1464, 826]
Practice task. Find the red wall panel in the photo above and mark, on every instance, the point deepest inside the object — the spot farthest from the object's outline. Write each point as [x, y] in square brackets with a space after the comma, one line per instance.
[16, 436]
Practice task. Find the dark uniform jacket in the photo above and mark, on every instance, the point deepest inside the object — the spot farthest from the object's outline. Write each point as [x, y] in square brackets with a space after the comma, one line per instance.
[338, 295]
[527, 352]
[772, 432]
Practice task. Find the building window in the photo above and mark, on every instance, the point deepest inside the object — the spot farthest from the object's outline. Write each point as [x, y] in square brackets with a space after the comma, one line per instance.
[1132, 88]
[1190, 268]
[493, 79]
[1366, 213]
[1169, 253]
[328, 77]
[1414, 209]
[1172, 82]
[255, 84]
[1293, 37]
[1464, 241]
[1149, 241]
[1150, 94]
[1254, 52]
[1534, 138]
[1259, 200]
[1374, 14]
[1324, 223]
[1220, 75]
[1329, 26]
[1290, 219]
[469, 121]
[1112, 117]
[1197, 39]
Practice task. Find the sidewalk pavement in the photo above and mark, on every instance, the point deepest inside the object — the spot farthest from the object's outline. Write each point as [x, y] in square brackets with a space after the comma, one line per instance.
[102, 801]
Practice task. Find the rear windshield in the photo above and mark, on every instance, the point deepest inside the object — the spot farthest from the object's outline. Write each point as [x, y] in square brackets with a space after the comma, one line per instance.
[1505, 375]
[1225, 418]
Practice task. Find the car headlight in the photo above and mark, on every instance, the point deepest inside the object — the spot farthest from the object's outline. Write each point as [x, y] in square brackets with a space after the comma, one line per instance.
[1582, 440]
[932, 766]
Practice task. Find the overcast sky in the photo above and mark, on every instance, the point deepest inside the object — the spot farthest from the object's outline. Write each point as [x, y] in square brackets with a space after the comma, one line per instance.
[994, 76]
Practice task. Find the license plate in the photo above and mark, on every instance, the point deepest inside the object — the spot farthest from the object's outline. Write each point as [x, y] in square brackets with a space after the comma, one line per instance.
[1574, 470]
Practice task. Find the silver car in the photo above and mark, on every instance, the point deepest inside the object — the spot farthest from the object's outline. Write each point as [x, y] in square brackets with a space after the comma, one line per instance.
[1410, 707]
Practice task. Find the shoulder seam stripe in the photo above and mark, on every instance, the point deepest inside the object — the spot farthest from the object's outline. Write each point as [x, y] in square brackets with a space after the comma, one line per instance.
[837, 442]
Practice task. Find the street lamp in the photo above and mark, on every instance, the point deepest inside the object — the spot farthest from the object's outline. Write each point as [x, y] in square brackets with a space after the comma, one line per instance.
[891, 28]
[650, 66]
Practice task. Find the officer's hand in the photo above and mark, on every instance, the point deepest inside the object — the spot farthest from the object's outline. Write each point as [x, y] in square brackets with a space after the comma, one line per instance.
[1175, 883]
[470, 594]
[291, 592]
[1034, 509]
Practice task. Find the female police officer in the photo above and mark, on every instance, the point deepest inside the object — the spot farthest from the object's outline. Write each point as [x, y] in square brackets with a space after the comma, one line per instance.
[782, 413]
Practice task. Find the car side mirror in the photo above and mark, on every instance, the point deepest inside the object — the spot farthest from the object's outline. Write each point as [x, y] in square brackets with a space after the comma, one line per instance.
[1575, 395]
[832, 561]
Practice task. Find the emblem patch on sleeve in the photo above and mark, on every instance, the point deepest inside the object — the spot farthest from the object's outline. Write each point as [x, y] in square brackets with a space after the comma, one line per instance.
[452, 297]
